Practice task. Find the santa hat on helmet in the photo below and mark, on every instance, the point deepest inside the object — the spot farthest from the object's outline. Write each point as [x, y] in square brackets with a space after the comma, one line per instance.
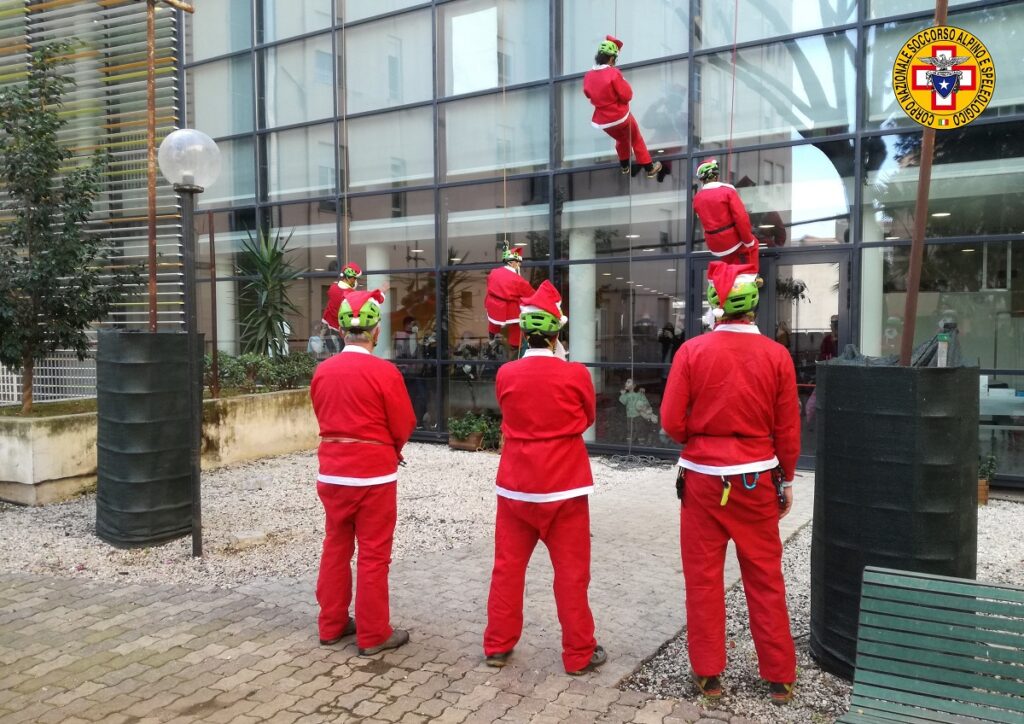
[360, 310]
[612, 38]
[724, 277]
[545, 299]
[511, 254]
[351, 270]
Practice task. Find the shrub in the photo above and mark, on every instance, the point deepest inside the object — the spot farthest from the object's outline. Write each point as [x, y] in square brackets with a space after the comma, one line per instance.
[461, 427]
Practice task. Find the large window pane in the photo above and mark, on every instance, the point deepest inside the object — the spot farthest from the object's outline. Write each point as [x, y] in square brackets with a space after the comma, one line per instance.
[359, 9]
[598, 216]
[628, 407]
[393, 149]
[977, 184]
[313, 232]
[490, 43]
[887, 8]
[285, 18]
[488, 134]
[796, 196]
[718, 26]
[400, 71]
[998, 27]
[222, 96]
[810, 91]
[651, 29]
[300, 163]
[237, 182]
[1001, 407]
[229, 228]
[392, 231]
[218, 27]
[659, 106]
[298, 80]
[478, 219]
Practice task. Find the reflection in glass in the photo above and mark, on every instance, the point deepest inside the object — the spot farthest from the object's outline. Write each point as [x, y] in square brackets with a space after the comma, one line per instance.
[313, 231]
[490, 43]
[400, 71]
[225, 88]
[217, 28]
[300, 162]
[628, 407]
[809, 92]
[489, 135]
[298, 82]
[1001, 408]
[286, 18]
[718, 24]
[237, 182]
[659, 106]
[359, 9]
[478, 219]
[888, 8]
[977, 184]
[656, 29]
[392, 149]
[392, 231]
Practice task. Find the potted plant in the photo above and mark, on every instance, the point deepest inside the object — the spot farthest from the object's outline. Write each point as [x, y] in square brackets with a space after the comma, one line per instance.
[986, 469]
[467, 432]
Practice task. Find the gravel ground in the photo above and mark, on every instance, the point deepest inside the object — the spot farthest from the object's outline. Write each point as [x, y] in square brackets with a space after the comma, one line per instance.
[446, 500]
[820, 697]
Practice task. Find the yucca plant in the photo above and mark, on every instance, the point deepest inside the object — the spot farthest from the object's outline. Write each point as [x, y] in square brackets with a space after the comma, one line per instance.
[264, 260]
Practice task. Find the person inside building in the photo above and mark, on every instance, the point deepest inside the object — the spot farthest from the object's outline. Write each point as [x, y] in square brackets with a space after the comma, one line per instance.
[365, 417]
[830, 342]
[543, 483]
[723, 216]
[506, 289]
[610, 95]
[348, 281]
[731, 400]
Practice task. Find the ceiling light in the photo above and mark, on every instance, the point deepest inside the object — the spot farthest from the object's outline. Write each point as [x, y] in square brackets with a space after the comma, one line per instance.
[520, 243]
[618, 279]
[331, 256]
[318, 269]
[456, 258]
[967, 251]
[940, 214]
[672, 268]
[649, 249]
[606, 274]
[632, 236]
[766, 226]
[415, 251]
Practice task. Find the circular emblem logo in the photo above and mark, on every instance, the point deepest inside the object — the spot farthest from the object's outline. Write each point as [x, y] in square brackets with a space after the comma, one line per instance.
[943, 77]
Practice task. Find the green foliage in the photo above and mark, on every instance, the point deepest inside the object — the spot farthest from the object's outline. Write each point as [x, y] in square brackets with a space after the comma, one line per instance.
[55, 278]
[987, 467]
[290, 371]
[250, 372]
[462, 427]
[264, 259]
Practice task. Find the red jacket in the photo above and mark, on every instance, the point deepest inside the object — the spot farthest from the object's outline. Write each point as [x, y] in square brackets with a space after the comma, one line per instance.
[731, 401]
[724, 218]
[335, 295]
[546, 404]
[359, 397]
[610, 94]
[505, 290]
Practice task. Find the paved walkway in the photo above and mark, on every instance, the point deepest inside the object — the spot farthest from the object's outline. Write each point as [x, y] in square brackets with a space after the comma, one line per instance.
[74, 650]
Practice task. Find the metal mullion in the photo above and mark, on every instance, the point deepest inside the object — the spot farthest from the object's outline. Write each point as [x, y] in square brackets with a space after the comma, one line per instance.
[929, 14]
[390, 109]
[383, 16]
[312, 34]
[295, 126]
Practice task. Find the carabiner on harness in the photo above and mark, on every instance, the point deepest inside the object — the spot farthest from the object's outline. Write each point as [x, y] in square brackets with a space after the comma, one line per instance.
[751, 485]
[726, 487]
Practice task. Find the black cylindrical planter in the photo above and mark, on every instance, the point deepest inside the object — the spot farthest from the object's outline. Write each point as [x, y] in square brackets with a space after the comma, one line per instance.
[895, 485]
[143, 489]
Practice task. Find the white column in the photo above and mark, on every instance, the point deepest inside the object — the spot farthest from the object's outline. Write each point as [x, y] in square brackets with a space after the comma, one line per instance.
[227, 306]
[582, 296]
[377, 258]
[872, 296]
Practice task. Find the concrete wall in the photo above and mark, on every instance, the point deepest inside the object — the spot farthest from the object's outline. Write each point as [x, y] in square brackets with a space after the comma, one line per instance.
[49, 459]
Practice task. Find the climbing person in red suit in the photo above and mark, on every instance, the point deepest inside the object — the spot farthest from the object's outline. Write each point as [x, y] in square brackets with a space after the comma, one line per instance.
[505, 290]
[610, 95]
[365, 419]
[543, 484]
[731, 401]
[346, 283]
[726, 224]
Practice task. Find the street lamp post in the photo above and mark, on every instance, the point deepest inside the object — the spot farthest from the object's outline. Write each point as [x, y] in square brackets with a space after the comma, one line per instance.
[190, 160]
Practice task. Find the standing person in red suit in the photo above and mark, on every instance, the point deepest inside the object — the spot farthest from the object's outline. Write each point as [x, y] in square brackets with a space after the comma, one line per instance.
[365, 418]
[543, 482]
[726, 224]
[610, 95]
[731, 400]
[346, 283]
[506, 289]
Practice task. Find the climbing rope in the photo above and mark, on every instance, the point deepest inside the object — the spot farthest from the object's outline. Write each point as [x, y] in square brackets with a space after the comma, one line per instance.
[732, 102]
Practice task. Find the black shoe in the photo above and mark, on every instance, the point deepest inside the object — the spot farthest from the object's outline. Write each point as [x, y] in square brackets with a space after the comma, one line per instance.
[666, 169]
[654, 169]
[350, 628]
[709, 686]
[779, 693]
[636, 169]
[498, 660]
[624, 167]
[597, 659]
[397, 638]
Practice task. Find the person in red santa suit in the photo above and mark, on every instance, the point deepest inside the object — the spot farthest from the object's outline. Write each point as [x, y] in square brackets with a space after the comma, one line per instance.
[610, 95]
[543, 482]
[727, 230]
[506, 288]
[347, 282]
[731, 400]
[365, 419]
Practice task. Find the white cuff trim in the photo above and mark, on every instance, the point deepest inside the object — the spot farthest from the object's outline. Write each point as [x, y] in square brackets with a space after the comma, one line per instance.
[741, 328]
[728, 251]
[492, 320]
[602, 126]
[543, 497]
[357, 482]
[755, 467]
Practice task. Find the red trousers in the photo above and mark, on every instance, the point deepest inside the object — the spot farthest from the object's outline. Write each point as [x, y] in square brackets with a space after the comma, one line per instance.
[627, 134]
[564, 526]
[366, 514]
[751, 519]
[515, 334]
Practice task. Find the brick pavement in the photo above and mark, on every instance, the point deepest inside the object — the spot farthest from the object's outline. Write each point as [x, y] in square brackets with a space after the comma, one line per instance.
[74, 650]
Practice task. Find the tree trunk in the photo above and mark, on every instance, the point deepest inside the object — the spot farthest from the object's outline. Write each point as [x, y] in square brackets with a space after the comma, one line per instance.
[28, 367]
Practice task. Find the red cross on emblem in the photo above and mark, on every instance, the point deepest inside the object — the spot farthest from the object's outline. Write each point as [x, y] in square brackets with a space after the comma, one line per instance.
[919, 80]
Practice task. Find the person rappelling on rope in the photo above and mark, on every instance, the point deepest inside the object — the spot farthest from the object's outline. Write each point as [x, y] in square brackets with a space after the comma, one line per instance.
[727, 229]
[506, 289]
[347, 282]
[610, 95]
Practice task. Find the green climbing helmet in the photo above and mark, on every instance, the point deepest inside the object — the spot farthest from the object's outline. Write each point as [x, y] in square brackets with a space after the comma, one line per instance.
[607, 47]
[707, 170]
[367, 318]
[742, 298]
[511, 255]
[539, 322]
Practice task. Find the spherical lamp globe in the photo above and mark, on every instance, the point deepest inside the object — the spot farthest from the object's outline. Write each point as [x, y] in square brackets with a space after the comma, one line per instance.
[190, 158]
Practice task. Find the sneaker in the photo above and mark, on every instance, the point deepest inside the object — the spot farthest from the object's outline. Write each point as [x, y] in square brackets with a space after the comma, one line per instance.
[635, 170]
[709, 686]
[666, 169]
[780, 693]
[350, 628]
[654, 169]
[498, 660]
[624, 167]
[597, 659]
[397, 638]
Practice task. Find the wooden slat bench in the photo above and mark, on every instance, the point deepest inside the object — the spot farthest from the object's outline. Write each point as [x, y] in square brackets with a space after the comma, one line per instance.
[935, 649]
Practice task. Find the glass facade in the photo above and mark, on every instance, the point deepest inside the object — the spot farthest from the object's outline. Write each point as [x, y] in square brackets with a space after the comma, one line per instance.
[416, 137]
